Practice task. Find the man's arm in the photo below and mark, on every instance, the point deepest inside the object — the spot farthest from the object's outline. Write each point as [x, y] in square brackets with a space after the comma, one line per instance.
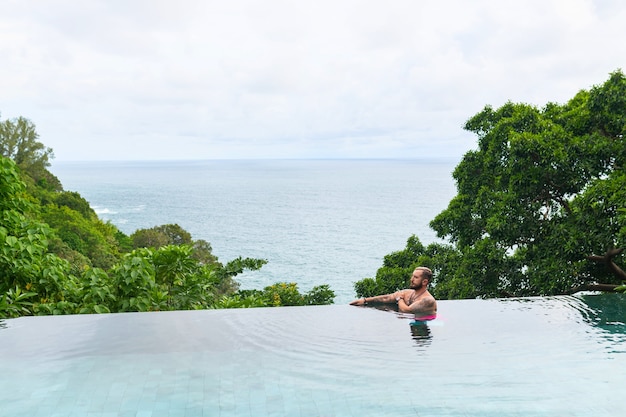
[386, 298]
[426, 305]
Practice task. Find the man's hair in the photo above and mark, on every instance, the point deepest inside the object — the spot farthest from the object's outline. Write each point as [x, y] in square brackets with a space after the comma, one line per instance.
[426, 272]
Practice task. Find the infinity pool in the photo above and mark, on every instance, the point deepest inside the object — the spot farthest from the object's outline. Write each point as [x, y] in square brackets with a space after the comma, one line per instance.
[561, 356]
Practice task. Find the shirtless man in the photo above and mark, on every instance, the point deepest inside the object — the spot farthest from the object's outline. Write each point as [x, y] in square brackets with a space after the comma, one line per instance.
[416, 299]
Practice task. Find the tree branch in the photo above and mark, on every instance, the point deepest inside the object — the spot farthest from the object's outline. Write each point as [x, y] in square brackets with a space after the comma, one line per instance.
[592, 287]
[607, 259]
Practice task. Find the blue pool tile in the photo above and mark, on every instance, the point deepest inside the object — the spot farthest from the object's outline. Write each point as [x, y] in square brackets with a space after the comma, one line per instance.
[210, 409]
[129, 404]
[194, 412]
[160, 405]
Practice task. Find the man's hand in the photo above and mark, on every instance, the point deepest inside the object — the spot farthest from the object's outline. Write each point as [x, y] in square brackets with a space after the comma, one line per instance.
[358, 302]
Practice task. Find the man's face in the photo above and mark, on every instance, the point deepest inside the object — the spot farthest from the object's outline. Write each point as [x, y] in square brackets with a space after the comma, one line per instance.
[417, 281]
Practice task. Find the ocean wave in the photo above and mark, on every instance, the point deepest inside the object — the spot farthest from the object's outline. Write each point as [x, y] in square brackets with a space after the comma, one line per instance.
[104, 210]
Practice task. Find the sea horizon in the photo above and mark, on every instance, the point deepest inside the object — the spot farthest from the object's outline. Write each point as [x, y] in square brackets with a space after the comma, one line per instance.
[317, 221]
[175, 160]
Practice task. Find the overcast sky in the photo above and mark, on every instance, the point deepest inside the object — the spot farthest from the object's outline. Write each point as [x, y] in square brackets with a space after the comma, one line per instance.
[202, 79]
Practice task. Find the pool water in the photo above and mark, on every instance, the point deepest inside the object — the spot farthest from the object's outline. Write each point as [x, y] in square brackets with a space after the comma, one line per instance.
[558, 356]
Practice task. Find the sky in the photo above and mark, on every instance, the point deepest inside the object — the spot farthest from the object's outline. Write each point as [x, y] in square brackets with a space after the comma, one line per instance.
[239, 79]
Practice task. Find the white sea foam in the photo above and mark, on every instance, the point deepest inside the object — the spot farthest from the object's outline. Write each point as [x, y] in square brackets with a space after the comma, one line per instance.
[100, 211]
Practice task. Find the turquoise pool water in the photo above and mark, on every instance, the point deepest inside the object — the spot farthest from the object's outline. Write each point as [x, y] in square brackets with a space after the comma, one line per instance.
[561, 356]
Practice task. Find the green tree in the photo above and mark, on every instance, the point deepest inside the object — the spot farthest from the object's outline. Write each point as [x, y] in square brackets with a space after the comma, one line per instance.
[19, 141]
[287, 294]
[251, 299]
[181, 277]
[76, 202]
[133, 281]
[541, 197]
[203, 252]
[225, 274]
[173, 234]
[155, 237]
[26, 266]
[319, 295]
[148, 238]
[284, 294]
[176, 235]
[96, 292]
[87, 236]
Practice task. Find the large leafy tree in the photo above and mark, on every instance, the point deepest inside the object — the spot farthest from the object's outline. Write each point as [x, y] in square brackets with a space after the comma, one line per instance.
[172, 234]
[540, 206]
[157, 236]
[542, 197]
[19, 141]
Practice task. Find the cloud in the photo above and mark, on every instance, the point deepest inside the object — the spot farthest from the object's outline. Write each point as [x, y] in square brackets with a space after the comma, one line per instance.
[240, 79]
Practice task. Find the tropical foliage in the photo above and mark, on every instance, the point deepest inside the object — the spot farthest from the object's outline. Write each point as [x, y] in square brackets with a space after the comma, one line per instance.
[58, 257]
[540, 206]
[19, 141]
[279, 294]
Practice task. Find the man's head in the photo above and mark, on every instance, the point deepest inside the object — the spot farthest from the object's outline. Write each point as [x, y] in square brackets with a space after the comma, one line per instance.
[420, 278]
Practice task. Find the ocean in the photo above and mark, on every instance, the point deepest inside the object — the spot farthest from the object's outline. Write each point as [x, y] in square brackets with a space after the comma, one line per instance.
[314, 221]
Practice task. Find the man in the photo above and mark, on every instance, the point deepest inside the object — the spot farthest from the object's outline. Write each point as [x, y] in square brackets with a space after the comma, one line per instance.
[416, 299]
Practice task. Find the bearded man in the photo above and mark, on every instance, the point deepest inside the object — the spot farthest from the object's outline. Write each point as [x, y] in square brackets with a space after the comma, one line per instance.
[416, 299]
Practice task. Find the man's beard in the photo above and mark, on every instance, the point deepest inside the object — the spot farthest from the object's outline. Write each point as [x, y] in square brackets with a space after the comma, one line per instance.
[417, 286]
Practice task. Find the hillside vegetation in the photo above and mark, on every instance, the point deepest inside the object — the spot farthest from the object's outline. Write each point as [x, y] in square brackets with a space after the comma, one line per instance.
[58, 257]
